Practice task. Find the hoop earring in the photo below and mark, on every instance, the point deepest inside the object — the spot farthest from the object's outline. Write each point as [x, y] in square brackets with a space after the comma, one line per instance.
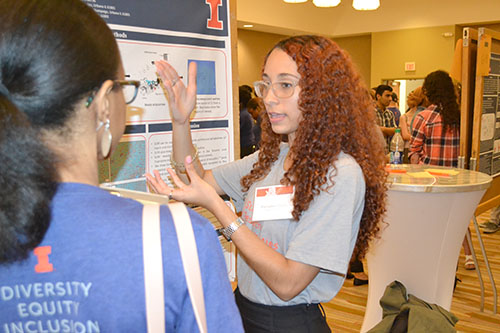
[106, 140]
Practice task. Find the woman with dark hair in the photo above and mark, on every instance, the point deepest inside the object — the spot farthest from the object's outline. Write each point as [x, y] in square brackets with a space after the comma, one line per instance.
[436, 131]
[306, 204]
[71, 253]
[435, 138]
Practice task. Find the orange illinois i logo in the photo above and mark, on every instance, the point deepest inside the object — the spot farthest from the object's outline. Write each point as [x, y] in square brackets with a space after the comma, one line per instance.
[213, 22]
[42, 254]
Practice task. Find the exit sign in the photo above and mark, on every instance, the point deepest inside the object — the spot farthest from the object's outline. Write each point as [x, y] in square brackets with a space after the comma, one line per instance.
[409, 66]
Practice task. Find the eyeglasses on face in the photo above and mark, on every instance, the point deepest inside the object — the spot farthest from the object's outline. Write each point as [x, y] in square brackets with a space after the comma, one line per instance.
[281, 89]
[129, 87]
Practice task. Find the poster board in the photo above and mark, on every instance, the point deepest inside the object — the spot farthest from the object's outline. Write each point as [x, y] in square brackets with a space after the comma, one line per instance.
[179, 32]
[468, 69]
[480, 108]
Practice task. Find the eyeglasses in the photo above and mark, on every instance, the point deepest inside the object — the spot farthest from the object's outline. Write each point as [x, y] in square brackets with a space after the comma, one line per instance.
[281, 89]
[129, 87]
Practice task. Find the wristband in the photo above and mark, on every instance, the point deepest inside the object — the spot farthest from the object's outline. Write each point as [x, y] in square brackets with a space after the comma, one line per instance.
[180, 166]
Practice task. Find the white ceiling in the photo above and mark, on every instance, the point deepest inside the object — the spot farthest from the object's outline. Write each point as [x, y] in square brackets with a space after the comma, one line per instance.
[275, 16]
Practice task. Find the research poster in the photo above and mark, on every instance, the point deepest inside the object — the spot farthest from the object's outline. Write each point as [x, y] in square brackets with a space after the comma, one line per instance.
[489, 157]
[179, 32]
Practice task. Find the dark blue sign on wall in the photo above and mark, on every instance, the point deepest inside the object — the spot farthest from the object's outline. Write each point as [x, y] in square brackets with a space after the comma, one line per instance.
[208, 17]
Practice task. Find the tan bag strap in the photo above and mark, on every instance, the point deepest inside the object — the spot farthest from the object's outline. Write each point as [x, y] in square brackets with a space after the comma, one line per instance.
[190, 262]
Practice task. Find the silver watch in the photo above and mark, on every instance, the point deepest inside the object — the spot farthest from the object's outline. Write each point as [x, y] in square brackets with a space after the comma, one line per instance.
[230, 229]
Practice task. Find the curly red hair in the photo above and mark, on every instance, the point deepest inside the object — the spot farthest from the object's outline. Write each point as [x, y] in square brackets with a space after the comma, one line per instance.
[337, 115]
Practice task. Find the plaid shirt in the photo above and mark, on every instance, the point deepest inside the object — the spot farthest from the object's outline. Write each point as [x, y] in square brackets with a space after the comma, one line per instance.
[385, 119]
[430, 143]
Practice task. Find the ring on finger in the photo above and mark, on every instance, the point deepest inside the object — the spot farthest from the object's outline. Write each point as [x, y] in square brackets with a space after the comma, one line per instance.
[174, 81]
[170, 196]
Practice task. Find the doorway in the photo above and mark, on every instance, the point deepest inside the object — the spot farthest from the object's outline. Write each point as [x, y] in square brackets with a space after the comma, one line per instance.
[402, 88]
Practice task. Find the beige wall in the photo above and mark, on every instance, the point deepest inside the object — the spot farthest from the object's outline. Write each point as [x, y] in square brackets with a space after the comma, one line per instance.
[427, 47]
[359, 48]
[253, 47]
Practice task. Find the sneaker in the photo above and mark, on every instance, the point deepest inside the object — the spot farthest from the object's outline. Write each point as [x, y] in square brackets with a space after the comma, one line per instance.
[484, 224]
[491, 228]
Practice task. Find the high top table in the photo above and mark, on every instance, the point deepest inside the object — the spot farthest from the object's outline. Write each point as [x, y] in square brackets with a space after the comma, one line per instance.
[429, 209]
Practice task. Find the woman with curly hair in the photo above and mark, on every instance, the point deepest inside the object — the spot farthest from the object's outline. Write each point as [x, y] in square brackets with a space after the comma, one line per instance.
[435, 137]
[436, 131]
[295, 256]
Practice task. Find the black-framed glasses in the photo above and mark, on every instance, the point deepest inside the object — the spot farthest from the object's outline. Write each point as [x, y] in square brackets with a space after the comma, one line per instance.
[281, 89]
[129, 87]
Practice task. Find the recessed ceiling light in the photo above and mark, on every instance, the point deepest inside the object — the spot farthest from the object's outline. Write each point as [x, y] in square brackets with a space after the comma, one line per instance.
[247, 25]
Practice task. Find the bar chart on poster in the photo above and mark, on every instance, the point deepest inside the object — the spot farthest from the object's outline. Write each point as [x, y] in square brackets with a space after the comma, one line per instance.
[179, 32]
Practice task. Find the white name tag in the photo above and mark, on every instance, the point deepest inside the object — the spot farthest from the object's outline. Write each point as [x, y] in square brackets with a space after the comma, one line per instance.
[273, 203]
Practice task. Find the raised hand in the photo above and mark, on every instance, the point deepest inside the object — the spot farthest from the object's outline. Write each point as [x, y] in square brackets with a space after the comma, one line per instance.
[181, 99]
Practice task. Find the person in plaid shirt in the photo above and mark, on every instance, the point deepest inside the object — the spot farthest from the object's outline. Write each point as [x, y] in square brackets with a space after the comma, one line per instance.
[385, 117]
[435, 137]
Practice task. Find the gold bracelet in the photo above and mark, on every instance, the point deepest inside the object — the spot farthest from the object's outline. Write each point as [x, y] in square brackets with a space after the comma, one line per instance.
[180, 166]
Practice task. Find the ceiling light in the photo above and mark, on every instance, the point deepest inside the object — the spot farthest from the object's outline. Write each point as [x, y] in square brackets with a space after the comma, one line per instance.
[294, 1]
[365, 4]
[326, 3]
[247, 25]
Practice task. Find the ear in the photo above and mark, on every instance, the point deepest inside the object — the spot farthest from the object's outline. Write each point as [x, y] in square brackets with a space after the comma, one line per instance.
[101, 101]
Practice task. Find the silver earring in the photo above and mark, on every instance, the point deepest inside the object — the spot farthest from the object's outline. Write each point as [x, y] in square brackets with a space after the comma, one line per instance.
[106, 140]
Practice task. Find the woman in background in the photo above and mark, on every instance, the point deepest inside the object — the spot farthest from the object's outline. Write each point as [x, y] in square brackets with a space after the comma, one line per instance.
[416, 102]
[436, 131]
[71, 255]
[294, 256]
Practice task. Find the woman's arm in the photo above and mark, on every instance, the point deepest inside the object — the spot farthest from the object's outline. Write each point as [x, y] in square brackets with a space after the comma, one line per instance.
[404, 128]
[181, 101]
[285, 277]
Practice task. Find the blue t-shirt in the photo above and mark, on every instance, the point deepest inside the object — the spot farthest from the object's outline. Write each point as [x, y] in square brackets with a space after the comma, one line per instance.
[87, 274]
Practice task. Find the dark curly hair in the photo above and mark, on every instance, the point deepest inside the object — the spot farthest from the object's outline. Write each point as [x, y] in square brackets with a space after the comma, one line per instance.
[337, 115]
[440, 91]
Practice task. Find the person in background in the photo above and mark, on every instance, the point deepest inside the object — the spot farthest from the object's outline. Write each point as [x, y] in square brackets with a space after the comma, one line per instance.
[293, 253]
[71, 254]
[436, 130]
[247, 139]
[493, 224]
[394, 107]
[249, 89]
[385, 117]
[435, 138]
[416, 102]
[255, 108]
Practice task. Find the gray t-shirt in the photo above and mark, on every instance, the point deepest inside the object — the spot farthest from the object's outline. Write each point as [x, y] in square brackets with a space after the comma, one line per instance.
[324, 236]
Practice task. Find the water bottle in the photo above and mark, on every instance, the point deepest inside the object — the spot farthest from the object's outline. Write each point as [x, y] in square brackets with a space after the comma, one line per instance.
[397, 148]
